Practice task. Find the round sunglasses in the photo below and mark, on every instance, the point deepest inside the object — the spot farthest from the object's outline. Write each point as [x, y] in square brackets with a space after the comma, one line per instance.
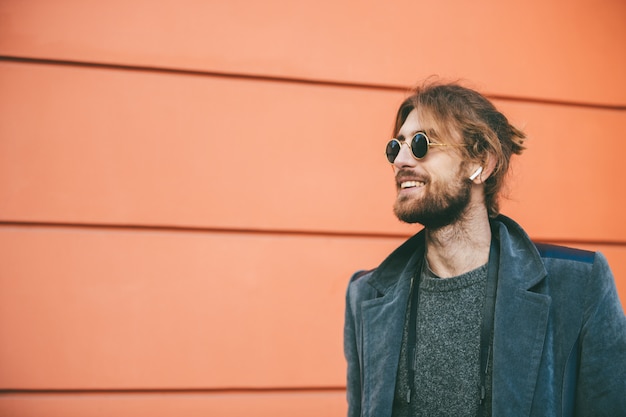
[419, 146]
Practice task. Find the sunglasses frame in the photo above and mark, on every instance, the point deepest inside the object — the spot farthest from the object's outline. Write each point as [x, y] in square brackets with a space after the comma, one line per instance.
[428, 145]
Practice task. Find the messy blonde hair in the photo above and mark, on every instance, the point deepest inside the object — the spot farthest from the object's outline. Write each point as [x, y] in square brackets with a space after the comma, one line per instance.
[452, 111]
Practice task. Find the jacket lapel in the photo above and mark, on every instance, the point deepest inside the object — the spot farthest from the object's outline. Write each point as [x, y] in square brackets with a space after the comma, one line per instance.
[521, 320]
[383, 325]
[383, 322]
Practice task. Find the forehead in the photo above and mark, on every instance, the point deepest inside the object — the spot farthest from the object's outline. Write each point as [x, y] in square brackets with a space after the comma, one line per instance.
[411, 125]
[418, 121]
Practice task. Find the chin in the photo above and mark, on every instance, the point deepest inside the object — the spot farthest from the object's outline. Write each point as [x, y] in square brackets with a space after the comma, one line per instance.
[431, 216]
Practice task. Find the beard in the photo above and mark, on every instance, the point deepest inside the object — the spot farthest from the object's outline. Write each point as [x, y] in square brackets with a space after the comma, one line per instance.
[437, 208]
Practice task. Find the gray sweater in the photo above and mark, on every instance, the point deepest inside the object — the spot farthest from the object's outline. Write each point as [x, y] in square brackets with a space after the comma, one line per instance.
[448, 342]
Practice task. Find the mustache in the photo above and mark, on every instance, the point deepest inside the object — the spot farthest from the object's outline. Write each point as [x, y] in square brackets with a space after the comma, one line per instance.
[408, 175]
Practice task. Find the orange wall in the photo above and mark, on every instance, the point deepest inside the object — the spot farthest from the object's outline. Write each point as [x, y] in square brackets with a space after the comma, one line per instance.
[186, 187]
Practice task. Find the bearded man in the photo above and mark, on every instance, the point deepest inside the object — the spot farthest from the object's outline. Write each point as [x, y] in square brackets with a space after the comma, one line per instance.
[470, 317]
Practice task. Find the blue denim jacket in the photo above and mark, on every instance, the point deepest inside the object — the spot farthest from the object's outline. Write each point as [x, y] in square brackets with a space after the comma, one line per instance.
[559, 332]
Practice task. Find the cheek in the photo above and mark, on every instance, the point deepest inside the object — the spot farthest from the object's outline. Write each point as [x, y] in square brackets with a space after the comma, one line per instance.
[449, 180]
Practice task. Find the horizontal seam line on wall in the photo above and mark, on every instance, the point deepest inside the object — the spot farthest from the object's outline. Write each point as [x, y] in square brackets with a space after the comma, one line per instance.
[328, 83]
[572, 242]
[181, 71]
[290, 390]
[312, 233]
[192, 229]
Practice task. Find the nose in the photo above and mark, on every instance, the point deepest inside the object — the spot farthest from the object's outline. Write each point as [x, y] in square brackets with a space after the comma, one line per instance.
[405, 158]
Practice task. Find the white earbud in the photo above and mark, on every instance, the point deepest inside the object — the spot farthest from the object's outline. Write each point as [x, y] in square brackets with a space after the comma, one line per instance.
[476, 173]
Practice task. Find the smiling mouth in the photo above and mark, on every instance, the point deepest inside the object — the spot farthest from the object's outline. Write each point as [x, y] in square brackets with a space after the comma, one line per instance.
[411, 184]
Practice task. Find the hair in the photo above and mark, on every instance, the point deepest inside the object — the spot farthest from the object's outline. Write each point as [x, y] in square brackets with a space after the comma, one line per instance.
[449, 111]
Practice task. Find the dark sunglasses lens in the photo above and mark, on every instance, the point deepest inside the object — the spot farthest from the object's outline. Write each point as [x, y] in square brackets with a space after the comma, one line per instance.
[419, 145]
[392, 150]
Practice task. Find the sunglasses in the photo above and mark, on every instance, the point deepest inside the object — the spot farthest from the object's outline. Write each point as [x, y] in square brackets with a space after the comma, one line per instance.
[419, 146]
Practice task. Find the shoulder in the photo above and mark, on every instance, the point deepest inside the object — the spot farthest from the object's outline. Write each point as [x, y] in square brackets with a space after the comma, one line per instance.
[358, 288]
[574, 265]
[552, 269]
[563, 253]
[567, 260]
[581, 277]
[554, 257]
[360, 274]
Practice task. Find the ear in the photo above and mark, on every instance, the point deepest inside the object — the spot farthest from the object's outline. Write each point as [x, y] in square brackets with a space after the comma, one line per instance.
[482, 172]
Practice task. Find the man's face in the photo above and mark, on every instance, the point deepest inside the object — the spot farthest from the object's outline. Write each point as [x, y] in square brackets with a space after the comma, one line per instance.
[433, 191]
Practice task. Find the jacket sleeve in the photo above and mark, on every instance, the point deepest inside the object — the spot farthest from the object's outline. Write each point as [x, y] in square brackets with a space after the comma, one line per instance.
[601, 389]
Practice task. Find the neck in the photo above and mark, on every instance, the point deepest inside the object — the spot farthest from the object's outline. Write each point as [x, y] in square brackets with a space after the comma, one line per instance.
[460, 247]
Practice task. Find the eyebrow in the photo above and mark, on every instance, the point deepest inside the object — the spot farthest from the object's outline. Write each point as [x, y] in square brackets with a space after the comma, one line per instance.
[401, 138]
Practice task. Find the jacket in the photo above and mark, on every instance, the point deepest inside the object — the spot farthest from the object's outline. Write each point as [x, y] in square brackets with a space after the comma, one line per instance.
[559, 337]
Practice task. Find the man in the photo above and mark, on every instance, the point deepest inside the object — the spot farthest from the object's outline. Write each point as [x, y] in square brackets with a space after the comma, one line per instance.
[469, 317]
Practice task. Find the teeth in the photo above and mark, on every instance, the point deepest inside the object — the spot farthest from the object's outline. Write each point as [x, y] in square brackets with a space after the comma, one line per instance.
[410, 184]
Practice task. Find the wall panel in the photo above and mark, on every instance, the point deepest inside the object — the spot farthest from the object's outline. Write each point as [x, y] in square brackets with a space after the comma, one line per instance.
[118, 309]
[565, 186]
[260, 404]
[127, 147]
[560, 50]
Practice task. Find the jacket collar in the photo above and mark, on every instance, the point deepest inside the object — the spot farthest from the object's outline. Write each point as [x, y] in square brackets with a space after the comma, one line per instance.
[401, 262]
[520, 262]
[516, 251]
